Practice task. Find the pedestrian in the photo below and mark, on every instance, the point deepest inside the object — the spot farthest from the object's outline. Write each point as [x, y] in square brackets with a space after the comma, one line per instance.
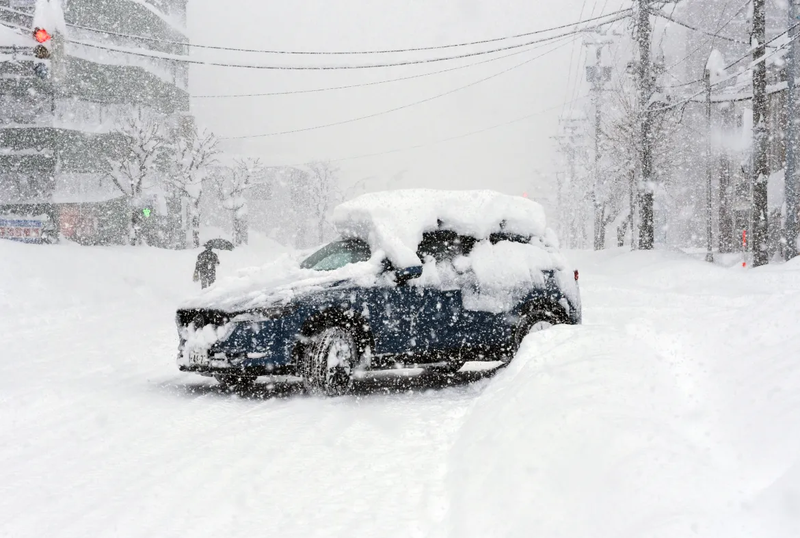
[205, 270]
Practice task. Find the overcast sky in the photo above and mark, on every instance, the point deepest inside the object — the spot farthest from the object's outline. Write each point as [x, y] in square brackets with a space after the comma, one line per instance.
[511, 158]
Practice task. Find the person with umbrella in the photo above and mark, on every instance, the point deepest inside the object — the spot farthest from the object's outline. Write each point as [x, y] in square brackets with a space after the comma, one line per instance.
[205, 270]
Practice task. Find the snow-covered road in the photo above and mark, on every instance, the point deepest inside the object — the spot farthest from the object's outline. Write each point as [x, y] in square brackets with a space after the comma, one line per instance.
[673, 411]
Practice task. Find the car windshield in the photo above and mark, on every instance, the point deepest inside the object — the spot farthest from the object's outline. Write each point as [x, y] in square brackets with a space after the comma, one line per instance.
[337, 255]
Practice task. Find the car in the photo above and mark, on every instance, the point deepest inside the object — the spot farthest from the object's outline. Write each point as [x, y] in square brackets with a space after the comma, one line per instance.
[417, 278]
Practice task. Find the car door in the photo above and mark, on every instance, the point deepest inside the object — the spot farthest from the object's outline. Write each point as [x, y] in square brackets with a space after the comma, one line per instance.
[437, 304]
[419, 317]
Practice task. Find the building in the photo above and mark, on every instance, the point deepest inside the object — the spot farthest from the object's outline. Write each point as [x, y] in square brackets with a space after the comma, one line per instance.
[59, 108]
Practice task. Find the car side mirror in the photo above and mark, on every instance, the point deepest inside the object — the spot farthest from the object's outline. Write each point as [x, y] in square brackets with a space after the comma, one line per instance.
[402, 276]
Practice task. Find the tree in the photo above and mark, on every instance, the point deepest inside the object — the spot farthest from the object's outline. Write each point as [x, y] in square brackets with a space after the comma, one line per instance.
[623, 148]
[134, 168]
[231, 184]
[192, 152]
[322, 193]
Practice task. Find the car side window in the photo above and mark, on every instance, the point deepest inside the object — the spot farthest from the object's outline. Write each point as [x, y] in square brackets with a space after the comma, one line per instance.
[444, 245]
[336, 255]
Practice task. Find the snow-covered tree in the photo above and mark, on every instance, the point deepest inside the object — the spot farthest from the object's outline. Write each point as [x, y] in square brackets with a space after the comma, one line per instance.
[192, 153]
[322, 194]
[231, 184]
[134, 168]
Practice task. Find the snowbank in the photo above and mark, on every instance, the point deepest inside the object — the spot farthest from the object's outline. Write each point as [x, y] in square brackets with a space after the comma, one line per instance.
[676, 415]
[395, 220]
[577, 439]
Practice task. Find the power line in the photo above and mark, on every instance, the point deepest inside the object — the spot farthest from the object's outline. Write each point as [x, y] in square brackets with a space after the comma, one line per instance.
[763, 58]
[15, 12]
[402, 107]
[183, 59]
[571, 60]
[365, 84]
[449, 139]
[659, 13]
[349, 52]
[707, 41]
[335, 52]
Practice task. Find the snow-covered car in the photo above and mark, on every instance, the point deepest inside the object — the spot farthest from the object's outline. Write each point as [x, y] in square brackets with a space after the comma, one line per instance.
[417, 278]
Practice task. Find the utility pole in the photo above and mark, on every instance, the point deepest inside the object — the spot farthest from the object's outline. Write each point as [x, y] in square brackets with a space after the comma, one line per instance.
[760, 165]
[645, 93]
[791, 138]
[598, 75]
[709, 171]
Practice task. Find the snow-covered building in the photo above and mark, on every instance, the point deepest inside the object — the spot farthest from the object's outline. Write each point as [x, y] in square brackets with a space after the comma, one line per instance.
[60, 101]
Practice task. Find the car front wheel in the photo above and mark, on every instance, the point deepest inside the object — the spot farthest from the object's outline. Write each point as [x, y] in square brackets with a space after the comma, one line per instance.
[328, 362]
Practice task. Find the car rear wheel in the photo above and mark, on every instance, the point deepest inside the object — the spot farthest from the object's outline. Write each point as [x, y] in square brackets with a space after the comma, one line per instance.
[531, 322]
[328, 362]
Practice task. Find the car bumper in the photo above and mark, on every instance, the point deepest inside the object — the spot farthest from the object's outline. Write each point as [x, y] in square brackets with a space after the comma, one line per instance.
[222, 363]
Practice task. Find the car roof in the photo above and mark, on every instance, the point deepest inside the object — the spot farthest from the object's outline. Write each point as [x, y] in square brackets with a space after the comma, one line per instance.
[394, 221]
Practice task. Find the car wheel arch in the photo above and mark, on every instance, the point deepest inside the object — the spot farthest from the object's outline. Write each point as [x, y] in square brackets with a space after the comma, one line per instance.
[320, 320]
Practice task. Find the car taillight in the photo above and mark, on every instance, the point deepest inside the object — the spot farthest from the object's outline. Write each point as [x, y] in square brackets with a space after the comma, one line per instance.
[576, 275]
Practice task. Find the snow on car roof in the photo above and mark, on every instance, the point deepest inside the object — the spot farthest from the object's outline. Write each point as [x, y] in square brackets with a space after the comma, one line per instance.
[394, 221]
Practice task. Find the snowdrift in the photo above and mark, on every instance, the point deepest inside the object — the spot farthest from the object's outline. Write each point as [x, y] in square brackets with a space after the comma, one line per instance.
[676, 415]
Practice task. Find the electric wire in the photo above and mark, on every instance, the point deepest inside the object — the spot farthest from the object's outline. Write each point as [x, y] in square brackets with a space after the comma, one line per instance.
[366, 84]
[571, 60]
[444, 140]
[752, 64]
[659, 13]
[181, 59]
[350, 52]
[333, 52]
[706, 42]
[402, 107]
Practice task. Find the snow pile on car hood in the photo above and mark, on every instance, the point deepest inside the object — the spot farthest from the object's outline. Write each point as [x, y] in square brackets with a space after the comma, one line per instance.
[394, 221]
[278, 283]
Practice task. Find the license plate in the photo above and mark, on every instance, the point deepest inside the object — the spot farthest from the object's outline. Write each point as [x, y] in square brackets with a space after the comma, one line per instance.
[198, 358]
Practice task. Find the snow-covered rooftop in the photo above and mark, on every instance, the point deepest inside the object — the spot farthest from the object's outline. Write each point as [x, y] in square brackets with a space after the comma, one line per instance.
[394, 221]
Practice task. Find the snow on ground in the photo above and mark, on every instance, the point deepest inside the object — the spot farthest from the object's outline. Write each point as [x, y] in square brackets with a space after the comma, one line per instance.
[672, 412]
[100, 435]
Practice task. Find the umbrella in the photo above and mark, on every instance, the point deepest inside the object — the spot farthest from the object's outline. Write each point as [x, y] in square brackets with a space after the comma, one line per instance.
[220, 244]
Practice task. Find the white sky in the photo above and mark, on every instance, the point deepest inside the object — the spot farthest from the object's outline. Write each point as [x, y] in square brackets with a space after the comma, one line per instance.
[510, 159]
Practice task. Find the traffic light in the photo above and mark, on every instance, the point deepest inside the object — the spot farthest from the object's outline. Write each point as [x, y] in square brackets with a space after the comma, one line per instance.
[146, 212]
[41, 35]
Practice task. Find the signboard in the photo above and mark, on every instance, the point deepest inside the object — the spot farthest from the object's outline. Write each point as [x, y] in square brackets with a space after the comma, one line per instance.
[23, 3]
[21, 229]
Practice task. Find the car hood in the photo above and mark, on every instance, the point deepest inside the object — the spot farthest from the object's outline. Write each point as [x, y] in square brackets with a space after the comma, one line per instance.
[279, 283]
